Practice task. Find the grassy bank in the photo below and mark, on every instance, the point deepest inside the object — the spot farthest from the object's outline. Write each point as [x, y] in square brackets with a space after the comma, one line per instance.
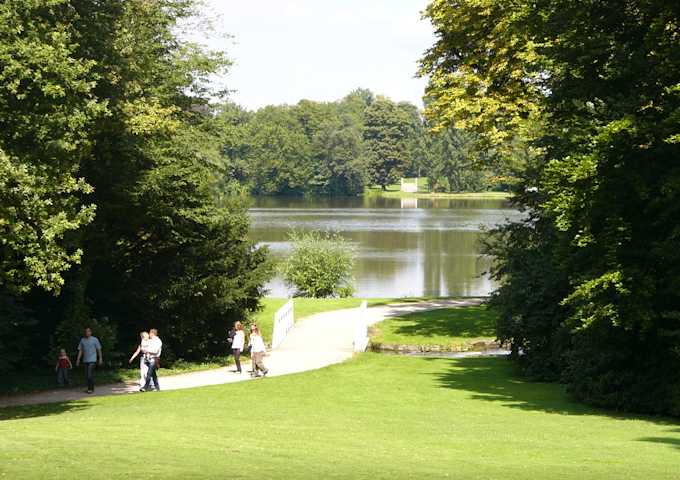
[449, 328]
[459, 195]
[394, 191]
[375, 417]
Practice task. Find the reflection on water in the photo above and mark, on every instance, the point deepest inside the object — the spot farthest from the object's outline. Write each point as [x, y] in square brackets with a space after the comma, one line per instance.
[403, 248]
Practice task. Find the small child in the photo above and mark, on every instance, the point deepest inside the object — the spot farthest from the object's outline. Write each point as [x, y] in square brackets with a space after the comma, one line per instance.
[62, 368]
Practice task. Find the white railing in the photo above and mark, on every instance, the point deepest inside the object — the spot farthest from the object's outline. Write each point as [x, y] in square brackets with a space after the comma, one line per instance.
[361, 332]
[284, 319]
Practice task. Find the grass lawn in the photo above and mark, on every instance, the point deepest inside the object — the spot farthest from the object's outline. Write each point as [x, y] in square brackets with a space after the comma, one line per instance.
[454, 328]
[304, 307]
[394, 191]
[375, 417]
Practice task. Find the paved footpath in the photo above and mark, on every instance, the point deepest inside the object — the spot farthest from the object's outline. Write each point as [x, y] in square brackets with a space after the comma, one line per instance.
[315, 342]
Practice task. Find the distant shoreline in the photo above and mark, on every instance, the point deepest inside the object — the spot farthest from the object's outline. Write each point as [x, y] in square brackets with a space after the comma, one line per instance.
[459, 195]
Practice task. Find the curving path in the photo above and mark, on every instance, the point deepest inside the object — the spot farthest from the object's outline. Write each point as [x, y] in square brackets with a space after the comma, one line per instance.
[315, 342]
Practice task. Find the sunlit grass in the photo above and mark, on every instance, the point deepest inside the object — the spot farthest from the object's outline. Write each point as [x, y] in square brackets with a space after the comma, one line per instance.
[376, 417]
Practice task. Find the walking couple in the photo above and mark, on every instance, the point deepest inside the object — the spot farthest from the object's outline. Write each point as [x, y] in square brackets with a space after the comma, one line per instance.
[149, 349]
[237, 338]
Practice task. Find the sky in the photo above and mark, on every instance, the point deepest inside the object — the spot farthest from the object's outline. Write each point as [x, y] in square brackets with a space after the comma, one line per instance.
[287, 50]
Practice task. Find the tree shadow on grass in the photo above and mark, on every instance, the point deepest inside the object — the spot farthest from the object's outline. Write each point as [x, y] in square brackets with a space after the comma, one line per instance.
[470, 321]
[495, 380]
[42, 410]
[671, 441]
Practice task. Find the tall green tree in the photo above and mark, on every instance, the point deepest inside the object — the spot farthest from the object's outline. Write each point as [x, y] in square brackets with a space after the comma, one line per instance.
[386, 134]
[104, 104]
[47, 106]
[590, 92]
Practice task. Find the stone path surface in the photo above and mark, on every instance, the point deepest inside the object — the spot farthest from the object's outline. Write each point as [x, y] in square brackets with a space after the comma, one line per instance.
[315, 342]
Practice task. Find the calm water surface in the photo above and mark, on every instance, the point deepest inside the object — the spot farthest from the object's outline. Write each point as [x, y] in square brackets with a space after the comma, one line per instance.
[404, 248]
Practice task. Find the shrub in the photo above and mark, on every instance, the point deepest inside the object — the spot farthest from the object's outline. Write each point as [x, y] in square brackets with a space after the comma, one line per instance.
[320, 265]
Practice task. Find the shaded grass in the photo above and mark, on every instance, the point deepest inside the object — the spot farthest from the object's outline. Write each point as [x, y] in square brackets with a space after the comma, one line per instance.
[46, 379]
[376, 417]
[455, 328]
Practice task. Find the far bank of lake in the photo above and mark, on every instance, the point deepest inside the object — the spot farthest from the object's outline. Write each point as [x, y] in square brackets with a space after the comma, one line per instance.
[405, 246]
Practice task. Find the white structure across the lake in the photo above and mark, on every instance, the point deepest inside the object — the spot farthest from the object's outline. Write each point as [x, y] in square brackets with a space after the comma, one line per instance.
[408, 186]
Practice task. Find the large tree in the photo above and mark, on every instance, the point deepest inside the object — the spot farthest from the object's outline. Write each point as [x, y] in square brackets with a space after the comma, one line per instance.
[386, 134]
[590, 92]
[103, 104]
[47, 107]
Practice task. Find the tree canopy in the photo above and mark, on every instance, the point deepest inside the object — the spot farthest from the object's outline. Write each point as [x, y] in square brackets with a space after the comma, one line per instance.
[587, 95]
[109, 174]
[339, 148]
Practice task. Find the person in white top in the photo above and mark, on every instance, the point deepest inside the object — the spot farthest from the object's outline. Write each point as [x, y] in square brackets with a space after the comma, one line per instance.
[257, 350]
[238, 341]
[153, 354]
[141, 349]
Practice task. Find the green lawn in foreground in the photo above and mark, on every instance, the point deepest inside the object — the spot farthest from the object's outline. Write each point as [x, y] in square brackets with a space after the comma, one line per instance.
[375, 417]
[455, 328]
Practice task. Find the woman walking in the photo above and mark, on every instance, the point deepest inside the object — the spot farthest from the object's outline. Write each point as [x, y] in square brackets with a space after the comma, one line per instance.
[257, 350]
[141, 351]
[237, 345]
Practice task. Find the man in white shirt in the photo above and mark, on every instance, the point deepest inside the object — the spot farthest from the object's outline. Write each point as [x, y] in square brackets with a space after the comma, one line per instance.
[151, 356]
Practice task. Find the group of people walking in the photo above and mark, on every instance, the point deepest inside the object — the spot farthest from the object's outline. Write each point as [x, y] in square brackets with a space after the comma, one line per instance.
[237, 338]
[90, 354]
[149, 353]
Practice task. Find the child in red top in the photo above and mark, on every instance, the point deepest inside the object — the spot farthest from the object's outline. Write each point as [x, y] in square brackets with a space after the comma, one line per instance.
[62, 368]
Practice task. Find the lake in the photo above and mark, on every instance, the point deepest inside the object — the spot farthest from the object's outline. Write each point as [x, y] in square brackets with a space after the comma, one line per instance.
[428, 247]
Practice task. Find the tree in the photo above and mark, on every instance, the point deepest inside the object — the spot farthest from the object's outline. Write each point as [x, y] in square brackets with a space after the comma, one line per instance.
[590, 92]
[279, 153]
[455, 164]
[103, 104]
[386, 135]
[338, 154]
[47, 106]
[178, 256]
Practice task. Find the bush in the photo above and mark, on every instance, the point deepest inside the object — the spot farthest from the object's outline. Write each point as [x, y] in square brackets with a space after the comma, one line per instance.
[320, 265]
[16, 324]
